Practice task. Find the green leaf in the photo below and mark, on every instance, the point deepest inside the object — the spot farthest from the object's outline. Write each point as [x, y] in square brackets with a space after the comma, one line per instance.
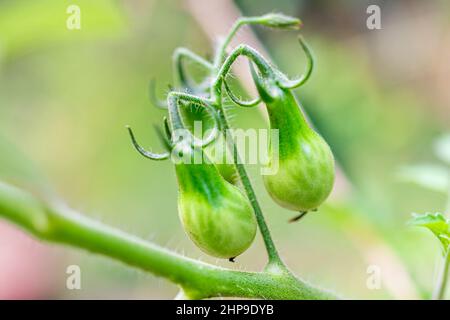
[429, 176]
[437, 224]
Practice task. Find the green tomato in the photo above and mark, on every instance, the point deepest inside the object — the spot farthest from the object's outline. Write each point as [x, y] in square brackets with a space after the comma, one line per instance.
[305, 174]
[215, 214]
[217, 150]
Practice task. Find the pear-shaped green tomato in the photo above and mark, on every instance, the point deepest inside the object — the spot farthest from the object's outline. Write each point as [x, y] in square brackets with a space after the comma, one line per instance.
[303, 163]
[215, 214]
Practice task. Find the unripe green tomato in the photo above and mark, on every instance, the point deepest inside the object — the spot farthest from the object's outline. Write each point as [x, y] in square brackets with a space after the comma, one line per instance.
[227, 171]
[215, 214]
[217, 150]
[305, 174]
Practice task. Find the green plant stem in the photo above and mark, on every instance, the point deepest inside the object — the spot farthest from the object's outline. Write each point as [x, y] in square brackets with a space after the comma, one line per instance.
[216, 98]
[197, 280]
[59, 224]
[439, 292]
[253, 55]
[220, 54]
[274, 258]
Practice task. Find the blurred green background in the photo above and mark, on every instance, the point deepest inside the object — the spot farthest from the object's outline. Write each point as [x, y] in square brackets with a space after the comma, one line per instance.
[379, 97]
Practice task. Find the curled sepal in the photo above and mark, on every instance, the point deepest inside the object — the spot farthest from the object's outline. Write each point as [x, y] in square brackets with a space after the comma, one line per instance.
[291, 84]
[163, 137]
[264, 67]
[177, 122]
[183, 77]
[280, 21]
[266, 86]
[238, 101]
[145, 153]
[167, 130]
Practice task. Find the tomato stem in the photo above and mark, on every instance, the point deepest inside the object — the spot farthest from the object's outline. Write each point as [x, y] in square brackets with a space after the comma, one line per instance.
[278, 21]
[272, 252]
[216, 96]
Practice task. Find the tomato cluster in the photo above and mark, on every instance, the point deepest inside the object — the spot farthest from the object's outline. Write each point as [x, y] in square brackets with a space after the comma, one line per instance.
[215, 211]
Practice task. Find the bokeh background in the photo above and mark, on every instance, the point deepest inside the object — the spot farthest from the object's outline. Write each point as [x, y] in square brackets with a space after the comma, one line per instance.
[381, 99]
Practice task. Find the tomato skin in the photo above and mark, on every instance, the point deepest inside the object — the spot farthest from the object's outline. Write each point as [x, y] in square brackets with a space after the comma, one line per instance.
[215, 214]
[305, 174]
[218, 152]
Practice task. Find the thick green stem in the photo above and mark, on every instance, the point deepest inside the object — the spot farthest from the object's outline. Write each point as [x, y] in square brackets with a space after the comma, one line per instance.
[439, 292]
[198, 280]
